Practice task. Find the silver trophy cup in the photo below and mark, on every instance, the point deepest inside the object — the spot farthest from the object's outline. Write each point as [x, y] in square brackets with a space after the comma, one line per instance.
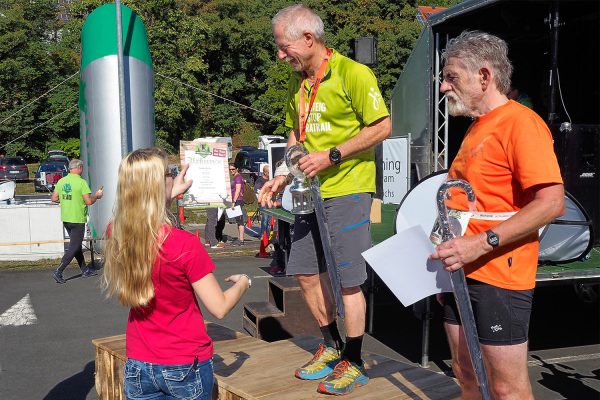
[302, 201]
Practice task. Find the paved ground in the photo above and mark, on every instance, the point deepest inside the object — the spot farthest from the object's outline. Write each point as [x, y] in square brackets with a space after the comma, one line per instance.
[46, 331]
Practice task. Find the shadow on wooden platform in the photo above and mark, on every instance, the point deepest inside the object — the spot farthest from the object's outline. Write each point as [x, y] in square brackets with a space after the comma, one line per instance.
[249, 368]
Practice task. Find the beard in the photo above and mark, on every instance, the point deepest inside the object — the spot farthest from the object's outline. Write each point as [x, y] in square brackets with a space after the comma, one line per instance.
[456, 107]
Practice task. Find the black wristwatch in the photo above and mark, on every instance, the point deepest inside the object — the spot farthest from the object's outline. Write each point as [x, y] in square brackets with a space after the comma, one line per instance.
[492, 239]
[335, 155]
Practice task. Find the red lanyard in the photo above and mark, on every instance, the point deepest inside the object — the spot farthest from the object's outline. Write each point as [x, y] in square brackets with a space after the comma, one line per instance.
[302, 106]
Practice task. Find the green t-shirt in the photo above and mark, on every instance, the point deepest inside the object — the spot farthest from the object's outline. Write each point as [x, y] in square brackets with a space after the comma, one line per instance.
[347, 100]
[70, 191]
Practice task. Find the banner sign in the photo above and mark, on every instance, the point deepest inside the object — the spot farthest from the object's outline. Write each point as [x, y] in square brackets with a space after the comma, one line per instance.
[209, 171]
[395, 172]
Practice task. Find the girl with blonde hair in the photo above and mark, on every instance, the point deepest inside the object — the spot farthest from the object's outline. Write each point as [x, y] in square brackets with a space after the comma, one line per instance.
[160, 272]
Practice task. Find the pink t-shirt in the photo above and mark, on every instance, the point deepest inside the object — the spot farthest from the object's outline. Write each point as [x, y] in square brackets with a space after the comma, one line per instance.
[171, 330]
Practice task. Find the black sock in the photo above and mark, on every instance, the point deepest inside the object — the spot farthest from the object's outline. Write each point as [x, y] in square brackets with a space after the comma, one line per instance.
[352, 349]
[331, 335]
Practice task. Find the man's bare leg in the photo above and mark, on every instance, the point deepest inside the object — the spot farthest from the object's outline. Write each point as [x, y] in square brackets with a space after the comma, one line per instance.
[506, 368]
[318, 297]
[355, 308]
[461, 362]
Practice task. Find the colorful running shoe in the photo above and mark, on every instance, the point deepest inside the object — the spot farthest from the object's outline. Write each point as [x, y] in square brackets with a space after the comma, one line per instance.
[345, 377]
[321, 364]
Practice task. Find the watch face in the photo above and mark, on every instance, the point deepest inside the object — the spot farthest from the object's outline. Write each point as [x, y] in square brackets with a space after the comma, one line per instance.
[335, 155]
[493, 239]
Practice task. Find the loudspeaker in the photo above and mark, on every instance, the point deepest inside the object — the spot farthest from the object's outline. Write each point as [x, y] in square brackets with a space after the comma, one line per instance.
[364, 50]
[578, 151]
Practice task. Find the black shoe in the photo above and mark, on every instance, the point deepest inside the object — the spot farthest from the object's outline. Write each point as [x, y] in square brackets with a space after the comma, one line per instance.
[89, 272]
[58, 277]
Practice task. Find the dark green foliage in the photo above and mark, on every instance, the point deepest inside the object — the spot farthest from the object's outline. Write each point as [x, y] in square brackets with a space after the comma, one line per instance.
[201, 49]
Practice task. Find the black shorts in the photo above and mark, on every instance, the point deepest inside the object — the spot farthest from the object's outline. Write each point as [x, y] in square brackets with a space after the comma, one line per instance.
[501, 315]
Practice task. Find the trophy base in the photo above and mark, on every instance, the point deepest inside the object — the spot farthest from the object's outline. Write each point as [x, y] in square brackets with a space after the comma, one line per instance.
[302, 212]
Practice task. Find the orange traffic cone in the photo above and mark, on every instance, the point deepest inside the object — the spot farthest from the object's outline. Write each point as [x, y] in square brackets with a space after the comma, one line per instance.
[262, 253]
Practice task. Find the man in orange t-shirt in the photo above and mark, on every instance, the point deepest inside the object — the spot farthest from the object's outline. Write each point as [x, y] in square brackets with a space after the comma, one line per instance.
[508, 158]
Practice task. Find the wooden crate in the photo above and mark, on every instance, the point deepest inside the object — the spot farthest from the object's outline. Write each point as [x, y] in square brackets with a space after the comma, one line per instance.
[110, 360]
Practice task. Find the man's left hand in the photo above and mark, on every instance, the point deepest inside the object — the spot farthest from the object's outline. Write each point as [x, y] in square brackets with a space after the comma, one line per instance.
[314, 163]
[459, 251]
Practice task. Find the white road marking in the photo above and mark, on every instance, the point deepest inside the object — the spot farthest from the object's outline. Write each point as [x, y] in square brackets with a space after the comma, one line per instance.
[20, 314]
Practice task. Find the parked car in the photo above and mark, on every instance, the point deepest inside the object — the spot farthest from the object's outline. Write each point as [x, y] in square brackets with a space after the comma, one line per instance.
[47, 174]
[249, 163]
[59, 159]
[248, 148]
[14, 168]
[52, 153]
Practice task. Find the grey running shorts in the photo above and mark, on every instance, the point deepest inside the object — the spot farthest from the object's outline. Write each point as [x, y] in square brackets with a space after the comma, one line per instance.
[501, 315]
[350, 229]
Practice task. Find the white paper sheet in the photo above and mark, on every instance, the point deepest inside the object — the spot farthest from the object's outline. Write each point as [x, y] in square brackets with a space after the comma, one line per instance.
[233, 212]
[403, 263]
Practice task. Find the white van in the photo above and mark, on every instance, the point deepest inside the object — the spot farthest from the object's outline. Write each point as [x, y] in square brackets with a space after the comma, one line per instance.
[265, 140]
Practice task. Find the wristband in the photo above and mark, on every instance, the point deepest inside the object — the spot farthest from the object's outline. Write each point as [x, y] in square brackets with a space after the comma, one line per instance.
[249, 280]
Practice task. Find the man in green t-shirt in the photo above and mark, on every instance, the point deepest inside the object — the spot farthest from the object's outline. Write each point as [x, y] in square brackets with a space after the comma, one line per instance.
[74, 195]
[334, 107]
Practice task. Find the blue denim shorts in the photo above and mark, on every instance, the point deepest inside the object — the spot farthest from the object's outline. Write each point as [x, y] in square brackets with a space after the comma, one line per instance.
[145, 380]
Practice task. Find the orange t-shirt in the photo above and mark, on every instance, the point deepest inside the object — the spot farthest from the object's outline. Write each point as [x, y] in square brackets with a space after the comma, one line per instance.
[504, 152]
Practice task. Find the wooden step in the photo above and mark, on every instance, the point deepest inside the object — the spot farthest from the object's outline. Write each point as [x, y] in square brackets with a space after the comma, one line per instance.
[260, 309]
[285, 283]
[283, 316]
[256, 317]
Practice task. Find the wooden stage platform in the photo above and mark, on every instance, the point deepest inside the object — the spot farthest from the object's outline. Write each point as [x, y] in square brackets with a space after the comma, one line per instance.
[248, 368]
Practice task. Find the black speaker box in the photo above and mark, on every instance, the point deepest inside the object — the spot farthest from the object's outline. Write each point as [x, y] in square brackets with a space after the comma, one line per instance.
[364, 50]
[578, 153]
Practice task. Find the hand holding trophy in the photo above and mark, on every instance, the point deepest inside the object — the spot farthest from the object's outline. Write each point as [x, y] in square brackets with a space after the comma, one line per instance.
[302, 200]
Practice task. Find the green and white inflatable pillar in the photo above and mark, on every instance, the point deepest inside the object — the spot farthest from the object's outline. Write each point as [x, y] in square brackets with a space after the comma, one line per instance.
[100, 122]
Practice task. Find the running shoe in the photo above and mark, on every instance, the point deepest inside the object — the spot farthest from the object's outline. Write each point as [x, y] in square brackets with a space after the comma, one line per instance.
[58, 277]
[89, 272]
[320, 365]
[345, 377]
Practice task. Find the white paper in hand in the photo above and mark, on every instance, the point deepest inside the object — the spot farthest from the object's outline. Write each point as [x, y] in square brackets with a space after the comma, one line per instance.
[234, 212]
[403, 263]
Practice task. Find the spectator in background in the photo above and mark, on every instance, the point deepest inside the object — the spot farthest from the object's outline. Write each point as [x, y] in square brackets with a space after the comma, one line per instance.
[74, 196]
[258, 184]
[277, 266]
[237, 198]
[213, 230]
[514, 93]
[161, 275]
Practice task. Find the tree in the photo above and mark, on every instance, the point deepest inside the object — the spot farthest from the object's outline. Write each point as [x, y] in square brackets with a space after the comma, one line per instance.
[30, 66]
[216, 71]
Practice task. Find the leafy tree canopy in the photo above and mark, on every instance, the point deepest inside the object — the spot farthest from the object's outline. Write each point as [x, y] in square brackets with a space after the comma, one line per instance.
[216, 71]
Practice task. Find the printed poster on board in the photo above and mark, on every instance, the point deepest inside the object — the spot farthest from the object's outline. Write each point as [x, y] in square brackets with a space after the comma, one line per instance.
[209, 171]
